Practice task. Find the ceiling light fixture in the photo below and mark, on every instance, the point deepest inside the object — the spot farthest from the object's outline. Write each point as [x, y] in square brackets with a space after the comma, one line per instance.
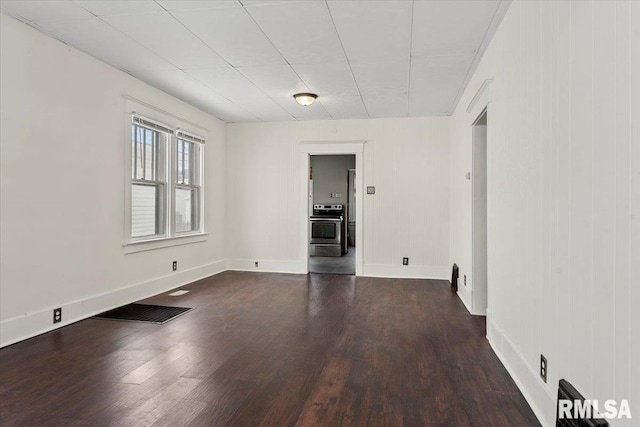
[305, 99]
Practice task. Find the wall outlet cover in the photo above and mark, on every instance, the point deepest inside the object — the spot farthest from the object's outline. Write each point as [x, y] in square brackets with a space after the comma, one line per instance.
[405, 261]
[371, 190]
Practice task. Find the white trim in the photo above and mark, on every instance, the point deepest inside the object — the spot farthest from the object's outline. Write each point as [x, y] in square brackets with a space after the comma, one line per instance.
[31, 324]
[309, 148]
[532, 388]
[407, 271]
[165, 242]
[481, 98]
[267, 266]
[464, 301]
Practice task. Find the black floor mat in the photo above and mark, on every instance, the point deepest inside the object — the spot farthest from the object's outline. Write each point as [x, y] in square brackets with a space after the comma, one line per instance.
[144, 313]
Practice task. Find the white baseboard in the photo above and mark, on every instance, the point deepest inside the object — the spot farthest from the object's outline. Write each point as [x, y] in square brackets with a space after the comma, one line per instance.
[267, 266]
[463, 298]
[534, 391]
[407, 271]
[31, 324]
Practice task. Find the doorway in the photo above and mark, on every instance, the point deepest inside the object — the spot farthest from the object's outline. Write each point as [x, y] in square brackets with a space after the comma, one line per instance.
[331, 187]
[479, 215]
[313, 148]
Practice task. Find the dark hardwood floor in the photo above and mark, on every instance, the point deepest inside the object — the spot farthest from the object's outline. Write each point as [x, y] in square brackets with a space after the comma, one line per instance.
[270, 350]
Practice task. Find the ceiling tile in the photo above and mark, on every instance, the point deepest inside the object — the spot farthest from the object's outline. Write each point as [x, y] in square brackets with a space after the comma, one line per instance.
[230, 112]
[448, 27]
[328, 79]
[274, 80]
[373, 30]
[45, 11]
[180, 85]
[346, 107]
[228, 82]
[175, 5]
[162, 34]
[232, 34]
[386, 105]
[106, 43]
[382, 77]
[316, 39]
[435, 82]
[118, 7]
[264, 108]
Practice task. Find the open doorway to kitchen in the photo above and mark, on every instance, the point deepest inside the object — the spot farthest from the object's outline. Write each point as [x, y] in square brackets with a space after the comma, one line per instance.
[479, 215]
[309, 150]
[332, 220]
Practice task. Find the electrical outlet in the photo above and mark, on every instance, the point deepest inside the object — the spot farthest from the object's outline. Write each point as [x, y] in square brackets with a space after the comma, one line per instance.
[405, 261]
[465, 280]
[57, 315]
[175, 265]
[256, 263]
[543, 368]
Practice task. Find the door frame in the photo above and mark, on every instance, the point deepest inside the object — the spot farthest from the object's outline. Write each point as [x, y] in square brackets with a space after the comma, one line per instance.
[479, 285]
[310, 148]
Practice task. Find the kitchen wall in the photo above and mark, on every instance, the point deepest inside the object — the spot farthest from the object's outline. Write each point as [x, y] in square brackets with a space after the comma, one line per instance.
[63, 141]
[330, 177]
[407, 160]
[563, 197]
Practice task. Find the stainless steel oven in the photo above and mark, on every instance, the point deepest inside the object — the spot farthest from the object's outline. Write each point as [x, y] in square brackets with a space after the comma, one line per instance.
[325, 230]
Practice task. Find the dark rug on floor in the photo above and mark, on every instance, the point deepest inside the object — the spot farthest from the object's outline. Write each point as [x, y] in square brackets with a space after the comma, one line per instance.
[144, 313]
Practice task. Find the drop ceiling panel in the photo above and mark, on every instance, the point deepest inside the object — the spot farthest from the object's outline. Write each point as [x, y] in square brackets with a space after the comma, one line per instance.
[435, 82]
[45, 11]
[274, 80]
[386, 106]
[377, 58]
[108, 44]
[371, 30]
[232, 34]
[180, 85]
[328, 79]
[175, 5]
[383, 77]
[346, 107]
[446, 27]
[166, 37]
[264, 108]
[316, 39]
[227, 82]
[230, 112]
[119, 7]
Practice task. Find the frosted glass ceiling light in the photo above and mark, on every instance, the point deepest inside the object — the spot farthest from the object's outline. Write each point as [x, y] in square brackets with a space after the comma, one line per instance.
[305, 99]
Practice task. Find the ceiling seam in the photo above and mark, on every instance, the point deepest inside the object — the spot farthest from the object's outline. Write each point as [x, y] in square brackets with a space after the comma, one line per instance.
[219, 56]
[494, 24]
[333, 23]
[244, 7]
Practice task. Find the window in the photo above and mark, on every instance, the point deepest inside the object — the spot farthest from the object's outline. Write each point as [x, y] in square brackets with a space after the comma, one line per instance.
[187, 194]
[166, 182]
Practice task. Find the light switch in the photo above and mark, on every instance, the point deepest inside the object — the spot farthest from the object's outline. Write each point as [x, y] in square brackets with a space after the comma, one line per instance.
[468, 175]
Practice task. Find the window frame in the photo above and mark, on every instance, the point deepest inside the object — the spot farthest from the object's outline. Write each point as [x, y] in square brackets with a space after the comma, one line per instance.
[174, 126]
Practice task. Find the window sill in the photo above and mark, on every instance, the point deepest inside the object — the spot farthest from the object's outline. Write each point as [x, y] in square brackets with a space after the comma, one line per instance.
[149, 245]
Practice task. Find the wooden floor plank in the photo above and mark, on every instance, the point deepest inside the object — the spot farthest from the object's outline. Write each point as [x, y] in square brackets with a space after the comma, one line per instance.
[270, 350]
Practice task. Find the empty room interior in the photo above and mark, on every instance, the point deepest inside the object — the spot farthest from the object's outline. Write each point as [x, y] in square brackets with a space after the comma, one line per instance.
[319, 212]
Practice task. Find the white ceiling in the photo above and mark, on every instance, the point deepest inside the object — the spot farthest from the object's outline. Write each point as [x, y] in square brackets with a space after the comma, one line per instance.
[242, 60]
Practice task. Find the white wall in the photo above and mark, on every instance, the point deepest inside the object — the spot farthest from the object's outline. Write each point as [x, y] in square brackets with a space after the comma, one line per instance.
[407, 160]
[62, 170]
[330, 175]
[563, 197]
